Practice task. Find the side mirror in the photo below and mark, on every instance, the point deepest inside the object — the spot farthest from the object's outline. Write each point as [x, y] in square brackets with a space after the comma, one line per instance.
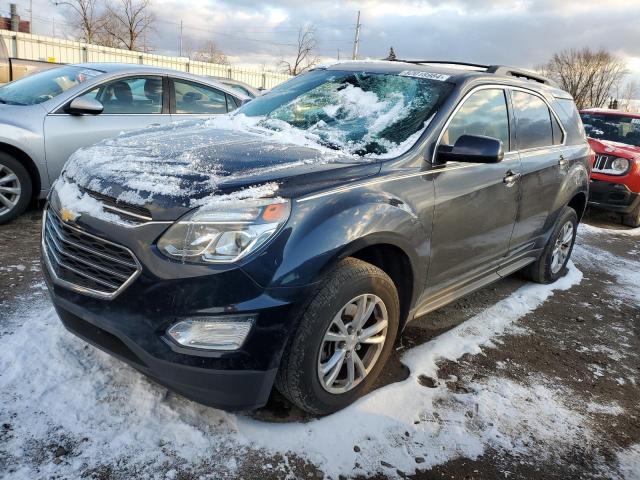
[85, 106]
[472, 149]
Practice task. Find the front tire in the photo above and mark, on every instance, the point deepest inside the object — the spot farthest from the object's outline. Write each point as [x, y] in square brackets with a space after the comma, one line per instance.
[15, 188]
[343, 340]
[555, 256]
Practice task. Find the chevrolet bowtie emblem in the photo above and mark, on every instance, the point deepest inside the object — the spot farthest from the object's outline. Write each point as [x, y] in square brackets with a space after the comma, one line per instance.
[68, 215]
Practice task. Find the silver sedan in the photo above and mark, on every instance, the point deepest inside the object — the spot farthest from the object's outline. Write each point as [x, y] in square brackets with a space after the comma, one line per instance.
[44, 118]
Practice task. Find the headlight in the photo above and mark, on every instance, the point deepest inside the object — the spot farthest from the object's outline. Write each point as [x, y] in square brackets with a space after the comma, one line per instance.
[620, 165]
[225, 232]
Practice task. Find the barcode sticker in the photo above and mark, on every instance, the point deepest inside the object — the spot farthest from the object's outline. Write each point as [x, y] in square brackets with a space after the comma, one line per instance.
[428, 75]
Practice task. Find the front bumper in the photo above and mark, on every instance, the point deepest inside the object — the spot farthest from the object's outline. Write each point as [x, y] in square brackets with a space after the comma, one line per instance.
[132, 325]
[612, 196]
[225, 389]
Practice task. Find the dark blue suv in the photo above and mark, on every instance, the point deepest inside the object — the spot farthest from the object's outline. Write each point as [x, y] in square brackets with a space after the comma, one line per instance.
[290, 243]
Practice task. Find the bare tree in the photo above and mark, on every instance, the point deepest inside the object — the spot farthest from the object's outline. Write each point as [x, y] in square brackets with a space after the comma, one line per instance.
[628, 93]
[305, 56]
[87, 18]
[128, 22]
[210, 53]
[589, 76]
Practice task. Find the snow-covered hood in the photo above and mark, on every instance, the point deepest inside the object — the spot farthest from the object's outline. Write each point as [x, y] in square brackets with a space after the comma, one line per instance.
[183, 165]
[617, 149]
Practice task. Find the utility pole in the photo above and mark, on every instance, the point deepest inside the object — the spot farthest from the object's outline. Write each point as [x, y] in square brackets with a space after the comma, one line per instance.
[180, 38]
[356, 41]
[30, 16]
[338, 54]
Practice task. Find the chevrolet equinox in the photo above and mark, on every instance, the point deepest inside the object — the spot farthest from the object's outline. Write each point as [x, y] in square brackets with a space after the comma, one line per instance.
[289, 244]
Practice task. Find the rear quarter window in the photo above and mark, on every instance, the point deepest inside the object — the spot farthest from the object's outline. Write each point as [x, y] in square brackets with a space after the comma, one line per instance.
[571, 121]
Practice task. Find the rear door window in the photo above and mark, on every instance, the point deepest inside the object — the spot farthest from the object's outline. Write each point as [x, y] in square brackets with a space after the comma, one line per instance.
[198, 99]
[483, 113]
[533, 121]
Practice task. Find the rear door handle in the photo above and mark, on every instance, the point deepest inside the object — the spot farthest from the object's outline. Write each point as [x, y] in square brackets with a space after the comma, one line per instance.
[510, 178]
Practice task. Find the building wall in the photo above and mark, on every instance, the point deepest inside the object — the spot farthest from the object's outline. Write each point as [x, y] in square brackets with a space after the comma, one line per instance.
[37, 47]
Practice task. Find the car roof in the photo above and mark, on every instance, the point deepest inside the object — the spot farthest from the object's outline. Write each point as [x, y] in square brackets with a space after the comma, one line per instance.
[233, 81]
[152, 69]
[610, 111]
[458, 72]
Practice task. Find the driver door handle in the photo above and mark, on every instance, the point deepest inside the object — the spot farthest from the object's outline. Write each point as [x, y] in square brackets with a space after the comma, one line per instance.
[510, 178]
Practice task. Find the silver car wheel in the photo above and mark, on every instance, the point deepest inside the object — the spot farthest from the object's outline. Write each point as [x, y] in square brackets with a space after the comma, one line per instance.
[353, 343]
[10, 189]
[562, 247]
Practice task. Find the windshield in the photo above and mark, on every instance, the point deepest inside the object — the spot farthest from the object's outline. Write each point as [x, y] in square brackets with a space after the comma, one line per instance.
[43, 86]
[616, 128]
[360, 113]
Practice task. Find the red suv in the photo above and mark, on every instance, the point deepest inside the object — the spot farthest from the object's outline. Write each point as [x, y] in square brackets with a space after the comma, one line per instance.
[615, 178]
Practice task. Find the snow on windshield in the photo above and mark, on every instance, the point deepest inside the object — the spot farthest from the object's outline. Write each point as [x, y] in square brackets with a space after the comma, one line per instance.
[363, 114]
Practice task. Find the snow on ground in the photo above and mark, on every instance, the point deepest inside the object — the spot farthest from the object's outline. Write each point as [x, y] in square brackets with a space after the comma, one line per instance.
[624, 270]
[55, 388]
[629, 461]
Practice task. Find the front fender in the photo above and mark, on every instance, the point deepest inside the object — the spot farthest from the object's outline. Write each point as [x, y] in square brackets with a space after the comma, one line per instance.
[320, 232]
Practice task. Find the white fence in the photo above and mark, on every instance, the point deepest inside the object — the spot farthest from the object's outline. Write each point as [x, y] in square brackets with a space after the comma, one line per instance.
[48, 49]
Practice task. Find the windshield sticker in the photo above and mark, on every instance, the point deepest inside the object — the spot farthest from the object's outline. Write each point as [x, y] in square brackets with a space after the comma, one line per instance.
[428, 75]
[635, 120]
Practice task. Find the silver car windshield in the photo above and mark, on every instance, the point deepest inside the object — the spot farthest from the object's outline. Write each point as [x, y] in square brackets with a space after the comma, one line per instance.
[360, 113]
[45, 85]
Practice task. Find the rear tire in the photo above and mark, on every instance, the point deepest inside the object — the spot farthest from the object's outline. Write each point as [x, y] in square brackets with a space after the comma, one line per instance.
[552, 264]
[329, 333]
[632, 219]
[15, 188]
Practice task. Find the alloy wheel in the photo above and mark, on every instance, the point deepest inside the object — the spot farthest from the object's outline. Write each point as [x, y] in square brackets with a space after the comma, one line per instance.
[562, 247]
[10, 189]
[353, 343]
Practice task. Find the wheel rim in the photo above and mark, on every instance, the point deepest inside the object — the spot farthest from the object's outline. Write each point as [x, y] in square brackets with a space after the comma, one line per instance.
[10, 189]
[353, 343]
[562, 247]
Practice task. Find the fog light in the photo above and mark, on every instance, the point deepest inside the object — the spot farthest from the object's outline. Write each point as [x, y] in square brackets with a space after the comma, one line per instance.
[212, 333]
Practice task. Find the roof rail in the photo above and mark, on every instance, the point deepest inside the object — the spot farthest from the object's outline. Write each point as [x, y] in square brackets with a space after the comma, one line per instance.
[441, 62]
[519, 73]
[495, 69]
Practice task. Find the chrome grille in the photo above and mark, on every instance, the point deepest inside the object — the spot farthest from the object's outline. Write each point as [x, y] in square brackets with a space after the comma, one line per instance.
[86, 263]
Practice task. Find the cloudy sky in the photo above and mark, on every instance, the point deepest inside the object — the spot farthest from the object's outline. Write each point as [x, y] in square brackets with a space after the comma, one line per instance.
[516, 32]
